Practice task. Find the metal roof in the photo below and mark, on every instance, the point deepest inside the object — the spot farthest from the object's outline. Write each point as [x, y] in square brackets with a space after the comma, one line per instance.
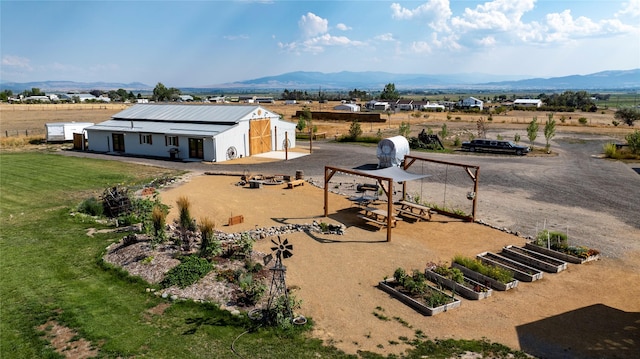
[229, 114]
[169, 128]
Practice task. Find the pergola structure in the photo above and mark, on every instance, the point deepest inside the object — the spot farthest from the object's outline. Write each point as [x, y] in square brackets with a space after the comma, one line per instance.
[385, 178]
[472, 171]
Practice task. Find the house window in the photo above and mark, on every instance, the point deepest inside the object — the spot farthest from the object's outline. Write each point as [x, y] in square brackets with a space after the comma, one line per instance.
[171, 140]
[145, 139]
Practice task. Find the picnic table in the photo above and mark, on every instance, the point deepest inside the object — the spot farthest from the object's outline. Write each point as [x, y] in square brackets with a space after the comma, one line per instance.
[377, 216]
[417, 211]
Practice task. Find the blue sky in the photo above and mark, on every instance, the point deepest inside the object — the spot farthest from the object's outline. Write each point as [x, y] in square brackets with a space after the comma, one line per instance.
[202, 43]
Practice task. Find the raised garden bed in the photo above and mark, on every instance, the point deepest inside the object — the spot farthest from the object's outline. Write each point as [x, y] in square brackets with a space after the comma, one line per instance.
[418, 302]
[564, 256]
[486, 280]
[469, 288]
[534, 259]
[520, 271]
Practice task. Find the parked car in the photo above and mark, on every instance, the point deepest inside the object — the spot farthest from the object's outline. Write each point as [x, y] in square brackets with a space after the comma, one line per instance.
[495, 146]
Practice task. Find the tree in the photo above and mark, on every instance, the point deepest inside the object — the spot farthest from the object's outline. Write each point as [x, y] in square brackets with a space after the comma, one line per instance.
[482, 128]
[549, 130]
[627, 115]
[307, 118]
[160, 92]
[532, 130]
[355, 130]
[4, 95]
[389, 92]
[404, 129]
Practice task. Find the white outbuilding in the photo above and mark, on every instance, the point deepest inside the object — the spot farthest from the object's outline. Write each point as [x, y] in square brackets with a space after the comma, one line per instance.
[213, 133]
[391, 151]
[350, 107]
[63, 131]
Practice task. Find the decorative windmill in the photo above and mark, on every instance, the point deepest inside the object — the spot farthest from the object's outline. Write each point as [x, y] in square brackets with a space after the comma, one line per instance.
[281, 249]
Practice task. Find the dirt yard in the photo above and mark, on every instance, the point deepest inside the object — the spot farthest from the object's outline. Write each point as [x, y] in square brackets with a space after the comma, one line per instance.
[337, 277]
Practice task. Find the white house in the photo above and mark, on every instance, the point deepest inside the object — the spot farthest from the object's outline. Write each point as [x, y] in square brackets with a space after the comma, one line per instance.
[405, 105]
[213, 133]
[350, 107]
[525, 102]
[470, 102]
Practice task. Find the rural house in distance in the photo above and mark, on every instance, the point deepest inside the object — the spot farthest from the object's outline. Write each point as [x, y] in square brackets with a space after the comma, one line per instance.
[212, 133]
[470, 102]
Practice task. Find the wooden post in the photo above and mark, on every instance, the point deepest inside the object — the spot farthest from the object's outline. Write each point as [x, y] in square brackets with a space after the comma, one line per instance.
[389, 209]
[286, 145]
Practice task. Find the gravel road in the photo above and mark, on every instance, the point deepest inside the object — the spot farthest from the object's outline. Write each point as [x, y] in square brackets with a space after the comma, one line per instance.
[596, 201]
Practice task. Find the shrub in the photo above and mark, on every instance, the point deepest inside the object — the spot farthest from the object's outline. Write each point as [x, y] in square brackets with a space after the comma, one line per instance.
[210, 245]
[404, 129]
[187, 272]
[582, 120]
[633, 140]
[457, 142]
[184, 208]
[91, 206]
[355, 130]
[554, 240]
[250, 290]
[610, 150]
[158, 216]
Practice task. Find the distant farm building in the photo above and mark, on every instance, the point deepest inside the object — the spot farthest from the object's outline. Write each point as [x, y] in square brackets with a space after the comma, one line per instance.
[471, 102]
[350, 107]
[527, 103]
[213, 133]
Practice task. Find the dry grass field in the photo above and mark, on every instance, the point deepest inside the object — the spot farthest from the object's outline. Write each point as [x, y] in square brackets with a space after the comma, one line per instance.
[18, 120]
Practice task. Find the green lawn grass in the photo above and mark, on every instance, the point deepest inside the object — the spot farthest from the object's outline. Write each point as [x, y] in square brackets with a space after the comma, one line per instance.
[50, 269]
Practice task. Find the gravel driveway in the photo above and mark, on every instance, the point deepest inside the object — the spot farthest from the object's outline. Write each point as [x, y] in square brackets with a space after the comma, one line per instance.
[596, 201]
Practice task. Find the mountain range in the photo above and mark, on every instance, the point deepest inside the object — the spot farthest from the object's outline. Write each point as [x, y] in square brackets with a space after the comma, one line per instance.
[369, 80]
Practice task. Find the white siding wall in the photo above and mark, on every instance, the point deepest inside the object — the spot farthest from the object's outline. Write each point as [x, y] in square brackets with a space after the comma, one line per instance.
[282, 128]
[237, 137]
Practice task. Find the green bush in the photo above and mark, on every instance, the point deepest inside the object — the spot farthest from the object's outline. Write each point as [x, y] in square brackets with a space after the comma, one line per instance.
[633, 140]
[610, 150]
[582, 120]
[187, 272]
[554, 240]
[91, 206]
[250, 290]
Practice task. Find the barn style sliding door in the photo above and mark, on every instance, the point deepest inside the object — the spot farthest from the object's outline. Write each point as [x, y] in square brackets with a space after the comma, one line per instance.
[259, 136]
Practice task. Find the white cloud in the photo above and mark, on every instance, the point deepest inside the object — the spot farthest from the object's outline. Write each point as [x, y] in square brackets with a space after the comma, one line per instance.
[317, 44]
[487, 41]
[16, 61]
[500, 15]
[343, 27]
[385, 37]
[435, 12]
[312, 25]
[236, 37]
[420, 47]
[631, 8]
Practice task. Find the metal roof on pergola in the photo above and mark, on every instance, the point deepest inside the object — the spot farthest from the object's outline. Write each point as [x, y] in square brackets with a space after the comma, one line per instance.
[384, 175]
[397, 174]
